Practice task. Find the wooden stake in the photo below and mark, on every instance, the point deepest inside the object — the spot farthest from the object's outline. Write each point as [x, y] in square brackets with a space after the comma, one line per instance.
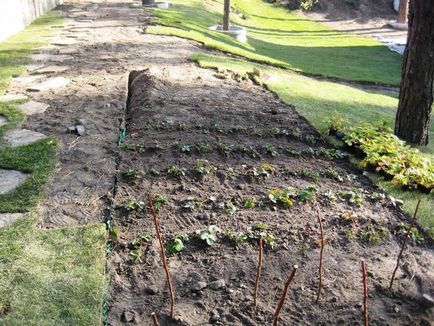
[163, 255]
[282, 298]
[154, 319]
[365, 294]
[320, 258]
[258, 272]
[413, 222]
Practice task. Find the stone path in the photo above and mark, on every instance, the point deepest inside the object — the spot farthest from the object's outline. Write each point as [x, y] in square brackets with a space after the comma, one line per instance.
[10, 180]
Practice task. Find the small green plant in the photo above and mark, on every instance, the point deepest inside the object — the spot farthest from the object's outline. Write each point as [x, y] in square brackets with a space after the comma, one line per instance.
[414, 235]
[352, 196]
[184, 148]
[132, 204]
[281, 196]
[208, 235]
[158, 201]
[136, 256]
[335, 122]
[203, 167]
[230, 172]
[308, 194]
[133, 173]
[249, 203]
[150, 124]
[376, 196]
[306, 173]
[218, 128]
[154, 172]
[264, 171]
[371, 234]
[181, 126]
[176, 170]
[333, 174]
[178, 244]
[192, 203]
[271, 150]
[202, 147]
[230, 208]
[310, 139]
[225, 148]
[292, 151]
[250, 150]
[256, 132]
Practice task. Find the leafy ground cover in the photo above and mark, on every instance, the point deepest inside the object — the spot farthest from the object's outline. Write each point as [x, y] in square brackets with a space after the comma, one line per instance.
[47, 277]
[282, 38]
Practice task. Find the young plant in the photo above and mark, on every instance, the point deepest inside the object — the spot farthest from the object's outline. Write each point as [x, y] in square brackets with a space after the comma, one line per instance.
[203, 167]
[353, 197]
[230, 172]
[281, 196]
[310, 139]
[184, 148]
[292, 151]
[176, 170]
[333, 174]
[132, 204]
[264, 171]
[249, 203]
[306, 173]
[271, 150]
[230, 208]
[133, 173]
[178, 244]
[208, 235]
[308, 194]
[202, 147]
[225, 148]
[136, 256]
[158, 201]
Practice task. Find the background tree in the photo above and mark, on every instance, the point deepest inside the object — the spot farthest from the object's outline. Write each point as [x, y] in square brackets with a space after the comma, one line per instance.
[402, 12]
[226, 11]
[416, 91]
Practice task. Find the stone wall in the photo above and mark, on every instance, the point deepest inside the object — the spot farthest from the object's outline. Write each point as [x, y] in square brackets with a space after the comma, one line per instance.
[15, 15]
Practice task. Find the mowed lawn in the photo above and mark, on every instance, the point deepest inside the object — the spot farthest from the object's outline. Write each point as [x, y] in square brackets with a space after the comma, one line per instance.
[282, 38]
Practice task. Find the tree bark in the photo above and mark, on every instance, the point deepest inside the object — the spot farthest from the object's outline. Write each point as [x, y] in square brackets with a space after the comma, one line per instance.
[147, 2]
[402, 12]
[226, 11]
[417, 91]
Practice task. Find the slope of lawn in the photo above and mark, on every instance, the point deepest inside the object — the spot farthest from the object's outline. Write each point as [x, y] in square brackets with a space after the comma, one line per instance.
[47, 277]
[282, 38]
[315, 100]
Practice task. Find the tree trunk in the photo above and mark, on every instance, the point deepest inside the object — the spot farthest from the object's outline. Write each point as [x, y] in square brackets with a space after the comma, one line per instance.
[417, 83]
[402, 12]
[147, 2]
[226, 10]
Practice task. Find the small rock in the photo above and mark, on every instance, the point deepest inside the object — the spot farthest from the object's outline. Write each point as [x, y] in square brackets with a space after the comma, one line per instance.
[12, 97]
[198, 286]
[80, 130]
[195, 276]
[151, 290]
[215, 285]
[396, 309]
[427, 301]
[128, 316]
[334, 299]
[6, 218]
[21, 137]
[33, 107]
[215, 316]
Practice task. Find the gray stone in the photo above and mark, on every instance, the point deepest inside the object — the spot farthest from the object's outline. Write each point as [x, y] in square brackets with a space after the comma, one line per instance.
[53, 83]
[198, 286]
[33, 67]
[151, 290]
[195, 276]
[427, 301]
[50, 57]
[12, 97]
[215, 285]
[215, 316]
[47, 49]
[50, 70]
[33, 107]
[69, 51]
[3, 120]
[7, 218]
[26, 80]
[128, 316]
[64, 42]
[20, 137]
[10, 179]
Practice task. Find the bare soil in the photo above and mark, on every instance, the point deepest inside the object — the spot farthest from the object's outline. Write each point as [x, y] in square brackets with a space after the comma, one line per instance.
[171, 99]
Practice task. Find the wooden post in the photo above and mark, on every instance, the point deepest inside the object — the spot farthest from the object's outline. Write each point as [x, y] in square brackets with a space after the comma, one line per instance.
[402, 12]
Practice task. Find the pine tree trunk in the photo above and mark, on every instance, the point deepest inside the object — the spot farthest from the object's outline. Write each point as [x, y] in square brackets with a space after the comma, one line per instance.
[402, 12]
[147, 2]
[417, 84]
[226, 10]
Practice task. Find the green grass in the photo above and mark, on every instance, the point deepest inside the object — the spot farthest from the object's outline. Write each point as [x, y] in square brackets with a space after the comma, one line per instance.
[279, 37]
[51, 277]
[14, 117]
[47, 277]
[38, 159]
[315, 99]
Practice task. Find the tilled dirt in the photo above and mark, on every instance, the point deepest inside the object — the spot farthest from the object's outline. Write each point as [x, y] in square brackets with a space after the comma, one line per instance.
[174, 108]
[171, 114]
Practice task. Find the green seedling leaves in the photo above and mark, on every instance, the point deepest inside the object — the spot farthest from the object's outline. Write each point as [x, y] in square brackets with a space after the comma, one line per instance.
[209, 234]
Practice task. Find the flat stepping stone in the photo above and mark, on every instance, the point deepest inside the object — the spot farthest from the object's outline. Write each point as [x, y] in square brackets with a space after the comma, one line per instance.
[47, 49]
[26, 80]
[13, 97]
[69, 51]
[33, 107]
[33, 67]
[51, 70]
[8, 218]
[64, 42]
[21, 137]
[50, 57]
[53, 83]
[10, 180]
[3, 120]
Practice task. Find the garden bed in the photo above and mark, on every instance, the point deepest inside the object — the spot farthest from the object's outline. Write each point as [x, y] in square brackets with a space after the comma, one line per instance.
[222, 152]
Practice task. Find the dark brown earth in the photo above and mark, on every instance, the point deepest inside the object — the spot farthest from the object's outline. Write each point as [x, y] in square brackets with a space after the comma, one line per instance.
[174, 100]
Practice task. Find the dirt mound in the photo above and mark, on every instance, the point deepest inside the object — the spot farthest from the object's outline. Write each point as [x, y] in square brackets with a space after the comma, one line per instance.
[249, 143]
